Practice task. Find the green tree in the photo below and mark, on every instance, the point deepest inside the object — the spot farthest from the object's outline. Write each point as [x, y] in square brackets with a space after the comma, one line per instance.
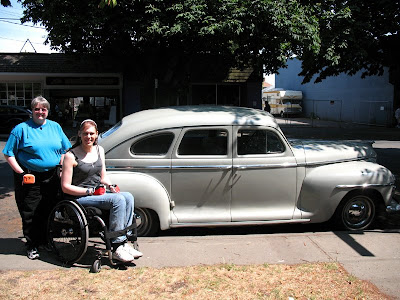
[256, 33]
[5, 3]
[355, 35]
[329, 36]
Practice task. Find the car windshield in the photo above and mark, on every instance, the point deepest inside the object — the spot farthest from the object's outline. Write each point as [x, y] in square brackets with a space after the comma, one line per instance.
[111, 130]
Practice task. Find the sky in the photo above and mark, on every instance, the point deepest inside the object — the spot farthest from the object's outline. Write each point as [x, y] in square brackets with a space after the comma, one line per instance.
[13, 34]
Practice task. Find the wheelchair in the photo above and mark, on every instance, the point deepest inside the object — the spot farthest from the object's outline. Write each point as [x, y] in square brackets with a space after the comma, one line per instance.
[68, 233]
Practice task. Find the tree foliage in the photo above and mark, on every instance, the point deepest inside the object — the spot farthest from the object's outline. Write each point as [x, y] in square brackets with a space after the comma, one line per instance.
[5, 3]
[261, 32]
[329, 36]
[355, 35]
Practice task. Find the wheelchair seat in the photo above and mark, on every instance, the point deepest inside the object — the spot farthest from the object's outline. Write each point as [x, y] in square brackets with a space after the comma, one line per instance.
[68, 232]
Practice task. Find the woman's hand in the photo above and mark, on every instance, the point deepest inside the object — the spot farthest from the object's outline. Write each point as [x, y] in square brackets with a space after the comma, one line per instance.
[114, 188]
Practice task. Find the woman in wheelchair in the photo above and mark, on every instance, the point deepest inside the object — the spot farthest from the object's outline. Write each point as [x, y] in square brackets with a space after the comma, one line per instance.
[83, 170]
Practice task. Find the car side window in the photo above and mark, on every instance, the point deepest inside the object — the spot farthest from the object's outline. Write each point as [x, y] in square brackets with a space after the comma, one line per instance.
[157, 144]
[258, 141]
[204, 142]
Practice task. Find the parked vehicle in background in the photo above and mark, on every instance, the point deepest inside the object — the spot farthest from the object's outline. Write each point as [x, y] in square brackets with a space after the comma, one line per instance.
[283, 102]
[11, 115]
[210, 166]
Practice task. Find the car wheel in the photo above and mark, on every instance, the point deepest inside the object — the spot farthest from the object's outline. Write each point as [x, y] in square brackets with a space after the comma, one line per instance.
[356, 212]
[149, 225]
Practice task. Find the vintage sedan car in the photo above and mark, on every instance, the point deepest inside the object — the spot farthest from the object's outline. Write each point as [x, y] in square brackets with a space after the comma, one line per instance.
[11, 115]
[194, 166]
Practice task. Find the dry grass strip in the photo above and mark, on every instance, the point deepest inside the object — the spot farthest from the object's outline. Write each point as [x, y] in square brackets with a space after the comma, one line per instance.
[307, 281]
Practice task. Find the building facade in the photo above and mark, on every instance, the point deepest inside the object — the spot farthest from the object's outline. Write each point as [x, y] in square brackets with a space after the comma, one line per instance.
[342, 98]
[106, 89]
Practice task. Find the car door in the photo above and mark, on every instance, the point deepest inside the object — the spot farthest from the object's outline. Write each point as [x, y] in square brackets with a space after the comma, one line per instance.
[264, 175]
[149, 153]
[201, 172]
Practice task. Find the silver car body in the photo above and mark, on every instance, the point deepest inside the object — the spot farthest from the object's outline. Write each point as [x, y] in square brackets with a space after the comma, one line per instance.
[298, 181]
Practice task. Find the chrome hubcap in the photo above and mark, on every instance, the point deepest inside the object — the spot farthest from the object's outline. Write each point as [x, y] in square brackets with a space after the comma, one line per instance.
[358, 212]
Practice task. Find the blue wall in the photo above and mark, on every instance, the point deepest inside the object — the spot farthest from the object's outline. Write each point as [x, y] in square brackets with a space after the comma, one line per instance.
[342, 98]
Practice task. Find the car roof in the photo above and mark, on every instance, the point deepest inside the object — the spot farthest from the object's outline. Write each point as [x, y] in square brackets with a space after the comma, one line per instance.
[186, 116]
[16, 107]
[183, 116]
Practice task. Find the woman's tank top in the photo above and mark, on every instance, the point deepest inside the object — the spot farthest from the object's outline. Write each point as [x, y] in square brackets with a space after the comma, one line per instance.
[87, 174]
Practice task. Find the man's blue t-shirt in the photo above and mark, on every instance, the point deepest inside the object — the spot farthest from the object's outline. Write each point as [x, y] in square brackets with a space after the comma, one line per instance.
[37, 147]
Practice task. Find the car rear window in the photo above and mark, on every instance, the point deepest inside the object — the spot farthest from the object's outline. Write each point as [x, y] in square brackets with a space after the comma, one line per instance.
[258, 141]
[157, 144]
[204, 142]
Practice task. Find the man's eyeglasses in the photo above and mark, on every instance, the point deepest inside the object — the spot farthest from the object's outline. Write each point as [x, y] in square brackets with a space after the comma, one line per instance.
[40, 109]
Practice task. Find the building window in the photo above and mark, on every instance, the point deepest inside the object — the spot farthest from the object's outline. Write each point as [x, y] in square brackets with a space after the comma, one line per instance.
[216, 94]
[19, 93]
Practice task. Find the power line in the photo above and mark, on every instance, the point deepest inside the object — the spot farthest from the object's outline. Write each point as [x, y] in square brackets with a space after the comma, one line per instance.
[19, 40]
[14, 14]
[33, 26]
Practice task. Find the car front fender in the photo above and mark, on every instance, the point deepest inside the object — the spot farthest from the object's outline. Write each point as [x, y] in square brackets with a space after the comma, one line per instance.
[147, 191]
[325, 186]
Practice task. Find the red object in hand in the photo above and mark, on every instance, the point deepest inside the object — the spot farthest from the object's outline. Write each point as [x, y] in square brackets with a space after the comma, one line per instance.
[100, 190]
[116, 188]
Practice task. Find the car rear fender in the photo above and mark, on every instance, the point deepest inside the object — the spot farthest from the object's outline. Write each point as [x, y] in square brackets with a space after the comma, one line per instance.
[325, 186]
[147, 191]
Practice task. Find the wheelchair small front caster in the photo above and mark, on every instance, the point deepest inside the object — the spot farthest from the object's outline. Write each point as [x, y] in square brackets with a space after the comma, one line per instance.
[136, 245]
[96, 266]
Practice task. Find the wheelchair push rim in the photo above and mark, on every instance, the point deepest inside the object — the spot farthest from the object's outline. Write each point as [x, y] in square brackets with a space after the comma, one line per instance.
[68, 232]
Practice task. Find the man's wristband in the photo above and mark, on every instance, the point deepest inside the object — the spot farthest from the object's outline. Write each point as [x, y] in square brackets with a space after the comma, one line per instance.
[90, 191]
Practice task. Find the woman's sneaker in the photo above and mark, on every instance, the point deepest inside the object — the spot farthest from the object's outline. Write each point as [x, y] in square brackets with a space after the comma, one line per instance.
[132, 251]
[122, 255]
[32, 253]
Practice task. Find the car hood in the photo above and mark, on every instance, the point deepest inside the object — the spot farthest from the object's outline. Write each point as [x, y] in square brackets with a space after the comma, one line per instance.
[315, 152]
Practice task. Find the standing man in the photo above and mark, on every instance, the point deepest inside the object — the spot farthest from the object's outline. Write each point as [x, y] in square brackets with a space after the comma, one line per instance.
[33, 150]
[267, 107]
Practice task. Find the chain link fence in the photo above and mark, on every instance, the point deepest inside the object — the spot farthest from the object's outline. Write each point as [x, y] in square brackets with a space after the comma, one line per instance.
[374, 113]
[378, 113]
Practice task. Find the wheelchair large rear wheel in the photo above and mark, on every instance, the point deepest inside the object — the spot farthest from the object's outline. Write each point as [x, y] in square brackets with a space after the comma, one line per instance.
[68, 232]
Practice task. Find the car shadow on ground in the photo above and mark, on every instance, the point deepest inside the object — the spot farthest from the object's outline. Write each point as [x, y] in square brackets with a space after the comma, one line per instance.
[388, 222]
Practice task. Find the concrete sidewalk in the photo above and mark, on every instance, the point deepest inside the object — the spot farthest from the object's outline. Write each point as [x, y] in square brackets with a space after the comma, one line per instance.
[370, 255]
